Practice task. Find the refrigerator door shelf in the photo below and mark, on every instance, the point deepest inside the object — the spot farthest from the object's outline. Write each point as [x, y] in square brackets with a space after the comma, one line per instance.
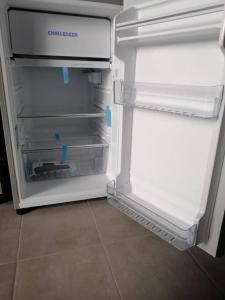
[181, 238]
[195, 101]
[179, 35]
[188, 25]
[134, 19]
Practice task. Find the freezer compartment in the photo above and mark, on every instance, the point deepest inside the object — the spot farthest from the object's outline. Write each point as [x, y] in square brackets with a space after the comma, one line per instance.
[40, 34]
[181, 238]
[65, 162]
[194, 101]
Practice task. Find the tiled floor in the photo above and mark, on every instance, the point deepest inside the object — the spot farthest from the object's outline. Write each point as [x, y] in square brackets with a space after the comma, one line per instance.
[88, 250]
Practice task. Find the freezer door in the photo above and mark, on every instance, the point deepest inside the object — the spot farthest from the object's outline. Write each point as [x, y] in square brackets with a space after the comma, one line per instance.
[36, 33]
[169, 80]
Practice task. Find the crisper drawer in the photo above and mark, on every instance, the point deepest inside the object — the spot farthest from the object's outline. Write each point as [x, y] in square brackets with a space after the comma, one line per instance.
[55, 163]
[54, 34]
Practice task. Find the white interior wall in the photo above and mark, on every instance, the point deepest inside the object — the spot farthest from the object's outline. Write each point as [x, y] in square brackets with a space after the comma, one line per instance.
[48, 94]
[48, 90]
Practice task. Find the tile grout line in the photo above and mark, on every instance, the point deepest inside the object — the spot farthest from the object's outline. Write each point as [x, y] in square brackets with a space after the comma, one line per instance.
[105, 250]
[17, 260]
[58, 252]
[204, 271]
[8, 263]
[50, 254]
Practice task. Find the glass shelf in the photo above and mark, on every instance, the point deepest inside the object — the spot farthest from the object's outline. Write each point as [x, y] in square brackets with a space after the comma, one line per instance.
[181, 238]
[30, 113]
[82, 142]
[195, 101]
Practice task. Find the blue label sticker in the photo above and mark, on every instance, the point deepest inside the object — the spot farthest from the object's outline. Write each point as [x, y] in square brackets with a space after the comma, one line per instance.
[64, 157]
[108, 117]
[65, 71]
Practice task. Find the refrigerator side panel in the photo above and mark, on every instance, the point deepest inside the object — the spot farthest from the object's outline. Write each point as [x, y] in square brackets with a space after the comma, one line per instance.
[7, 110]
[8, 142]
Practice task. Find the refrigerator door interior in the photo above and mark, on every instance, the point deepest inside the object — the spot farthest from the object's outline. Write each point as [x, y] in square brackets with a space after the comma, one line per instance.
[169, 81]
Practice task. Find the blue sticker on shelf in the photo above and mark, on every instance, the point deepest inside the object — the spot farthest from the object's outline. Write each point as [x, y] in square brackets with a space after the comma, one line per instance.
[65, 71]
[64, 157]
[108, 117]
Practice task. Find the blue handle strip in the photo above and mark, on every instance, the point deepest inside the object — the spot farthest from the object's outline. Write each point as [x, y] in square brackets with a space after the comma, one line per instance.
[108, 117]
[65, 71]
[64, 157]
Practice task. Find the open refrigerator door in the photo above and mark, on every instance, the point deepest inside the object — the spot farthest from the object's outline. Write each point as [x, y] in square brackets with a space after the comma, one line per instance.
[170, 82]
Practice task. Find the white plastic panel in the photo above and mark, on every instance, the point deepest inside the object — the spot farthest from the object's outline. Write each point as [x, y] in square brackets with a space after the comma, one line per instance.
[48, 192]
[177, 153]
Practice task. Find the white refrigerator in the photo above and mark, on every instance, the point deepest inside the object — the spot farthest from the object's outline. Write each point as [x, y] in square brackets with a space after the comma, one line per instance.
[98, 101]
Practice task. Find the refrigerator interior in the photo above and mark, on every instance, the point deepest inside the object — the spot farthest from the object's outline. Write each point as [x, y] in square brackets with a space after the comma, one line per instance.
[63, 133]
[170, 85]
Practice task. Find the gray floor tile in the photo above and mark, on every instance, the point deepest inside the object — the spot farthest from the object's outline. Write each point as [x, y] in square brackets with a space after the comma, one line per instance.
[113, 225]
[8, 245]
[7, 273]
[57, 228]
[8, 216]
[81, 274]
[9, 233]
[215, 267]
[148, 268]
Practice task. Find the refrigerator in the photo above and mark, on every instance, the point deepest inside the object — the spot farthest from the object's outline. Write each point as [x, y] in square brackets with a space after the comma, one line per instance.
[126, 103]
